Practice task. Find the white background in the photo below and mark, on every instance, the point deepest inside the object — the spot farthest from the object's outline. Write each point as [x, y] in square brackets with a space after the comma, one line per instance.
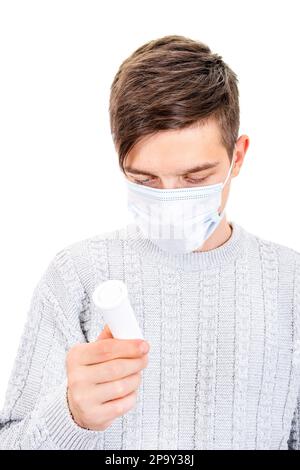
[60, 180]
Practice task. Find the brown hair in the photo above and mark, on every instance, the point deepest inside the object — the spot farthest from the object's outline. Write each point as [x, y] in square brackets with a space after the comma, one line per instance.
[172, 82]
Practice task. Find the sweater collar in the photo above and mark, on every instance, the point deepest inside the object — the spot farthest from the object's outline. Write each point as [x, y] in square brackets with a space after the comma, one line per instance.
[223, 254]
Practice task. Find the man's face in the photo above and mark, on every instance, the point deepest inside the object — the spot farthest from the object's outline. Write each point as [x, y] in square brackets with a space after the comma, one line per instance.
[184, 158]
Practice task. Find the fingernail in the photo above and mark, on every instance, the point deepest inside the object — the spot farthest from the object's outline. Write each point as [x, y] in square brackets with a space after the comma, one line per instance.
[145, 347]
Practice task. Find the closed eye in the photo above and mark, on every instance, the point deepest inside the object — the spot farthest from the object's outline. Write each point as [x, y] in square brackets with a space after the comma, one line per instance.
[196, 180]
[189, 180]
[142, 181]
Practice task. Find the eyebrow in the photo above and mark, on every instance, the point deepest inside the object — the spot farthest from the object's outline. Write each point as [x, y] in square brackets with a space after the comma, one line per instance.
[205, 166]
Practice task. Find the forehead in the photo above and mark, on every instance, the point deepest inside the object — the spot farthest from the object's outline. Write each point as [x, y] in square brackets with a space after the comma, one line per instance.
[178, 149]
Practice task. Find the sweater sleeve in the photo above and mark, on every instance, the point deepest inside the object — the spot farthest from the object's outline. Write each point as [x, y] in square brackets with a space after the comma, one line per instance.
[36, 413]
[294, 437]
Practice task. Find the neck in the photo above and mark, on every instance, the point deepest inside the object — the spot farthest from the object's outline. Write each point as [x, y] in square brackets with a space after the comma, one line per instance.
[218, 237]
[223, 250]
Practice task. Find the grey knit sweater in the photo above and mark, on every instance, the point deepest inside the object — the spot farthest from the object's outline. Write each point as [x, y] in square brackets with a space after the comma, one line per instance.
[224, 329]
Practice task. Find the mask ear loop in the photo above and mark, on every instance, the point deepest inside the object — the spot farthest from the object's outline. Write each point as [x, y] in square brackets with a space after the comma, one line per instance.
[229, 172]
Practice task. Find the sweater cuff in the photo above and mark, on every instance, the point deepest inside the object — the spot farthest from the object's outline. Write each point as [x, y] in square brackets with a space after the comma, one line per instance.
[61, 427]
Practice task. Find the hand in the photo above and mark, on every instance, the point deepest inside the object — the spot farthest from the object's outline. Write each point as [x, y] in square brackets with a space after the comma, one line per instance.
[103, 377]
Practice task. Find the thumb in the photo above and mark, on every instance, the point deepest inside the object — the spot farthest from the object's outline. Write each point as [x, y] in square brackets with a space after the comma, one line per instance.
[105, 333]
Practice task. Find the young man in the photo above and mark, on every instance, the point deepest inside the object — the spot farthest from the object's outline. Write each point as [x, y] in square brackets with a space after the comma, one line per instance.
[218, 306]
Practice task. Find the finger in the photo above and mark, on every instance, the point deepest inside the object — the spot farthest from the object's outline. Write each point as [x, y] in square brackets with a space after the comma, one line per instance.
[118, 407]
[107, 391]
[105, 333]
[113, 370]
[108, 349]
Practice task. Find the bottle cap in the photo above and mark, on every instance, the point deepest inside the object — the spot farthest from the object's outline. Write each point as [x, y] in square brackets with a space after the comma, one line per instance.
[109, 294]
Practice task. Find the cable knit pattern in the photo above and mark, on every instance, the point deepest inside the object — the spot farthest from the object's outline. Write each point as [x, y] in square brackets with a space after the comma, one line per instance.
[170, 288]
[294, 438]
[224, 330]
[242, 322]
[270, 354]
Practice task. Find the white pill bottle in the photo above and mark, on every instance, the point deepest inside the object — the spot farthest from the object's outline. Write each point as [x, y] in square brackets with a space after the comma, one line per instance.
[112, 298]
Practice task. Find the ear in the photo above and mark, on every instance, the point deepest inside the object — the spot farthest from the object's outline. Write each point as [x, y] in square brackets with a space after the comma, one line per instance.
[105, 333]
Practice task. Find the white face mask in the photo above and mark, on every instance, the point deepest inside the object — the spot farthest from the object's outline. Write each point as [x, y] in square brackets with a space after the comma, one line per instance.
[177, 220]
